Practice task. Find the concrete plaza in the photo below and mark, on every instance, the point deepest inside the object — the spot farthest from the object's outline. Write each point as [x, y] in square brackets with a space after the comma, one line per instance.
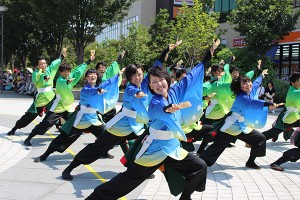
[21, 178]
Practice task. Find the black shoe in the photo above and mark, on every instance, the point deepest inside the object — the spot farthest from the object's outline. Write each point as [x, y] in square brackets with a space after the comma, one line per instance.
[67, 176]
[151, 176]
[27, 143]
[39, 159]
[252, 165]
[276, 167]
[11, 132]
[109, 156]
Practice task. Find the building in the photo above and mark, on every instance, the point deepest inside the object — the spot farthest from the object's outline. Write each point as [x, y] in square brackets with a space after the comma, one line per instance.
[287, 56]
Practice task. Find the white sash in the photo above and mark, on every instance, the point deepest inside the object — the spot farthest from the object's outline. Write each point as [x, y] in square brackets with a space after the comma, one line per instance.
[83, 109]
[125, 112]
[154, 135]
[56, 101]
[288, 111]
[209, 108]
[45, 89]
[231, 120]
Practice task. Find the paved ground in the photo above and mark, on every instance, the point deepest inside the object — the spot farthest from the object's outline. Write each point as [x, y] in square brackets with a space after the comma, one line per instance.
[21, 178]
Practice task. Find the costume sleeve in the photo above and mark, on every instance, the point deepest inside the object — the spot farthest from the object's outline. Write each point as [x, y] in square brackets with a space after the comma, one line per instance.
[161, 59]
[190, 89]
[111, 71]
[255, 85]
[36, 76]
[156, 111]
[77, 74]
[64, 90]
[226, 78]
[53, 67]
[250, 74]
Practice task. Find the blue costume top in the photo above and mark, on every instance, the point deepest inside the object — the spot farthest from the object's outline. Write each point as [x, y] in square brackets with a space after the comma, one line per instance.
[165, 128]
[91, 102]
[247, 113]
[133, 115]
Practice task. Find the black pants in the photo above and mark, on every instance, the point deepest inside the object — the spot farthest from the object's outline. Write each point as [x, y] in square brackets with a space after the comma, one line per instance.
[274, 132]
[103, 144]
[63, 140]
[28, 117]
[291, 155]
[205, 133]
[49, 120]
[210, 121]
[256, 139]
[191, 167]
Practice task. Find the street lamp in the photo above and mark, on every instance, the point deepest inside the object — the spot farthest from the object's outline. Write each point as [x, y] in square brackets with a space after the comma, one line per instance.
[2, 9]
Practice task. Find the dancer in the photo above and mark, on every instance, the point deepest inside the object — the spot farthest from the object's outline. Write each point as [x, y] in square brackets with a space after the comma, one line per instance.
[289, 116]
[43, 81]
[85, 118]
[162, 146]
[128, 124]
[240, 122]
[62, 105]
[287, 119]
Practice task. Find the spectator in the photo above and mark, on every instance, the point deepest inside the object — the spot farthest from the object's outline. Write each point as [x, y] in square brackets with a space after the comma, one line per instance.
[270, 93]
[260, 92]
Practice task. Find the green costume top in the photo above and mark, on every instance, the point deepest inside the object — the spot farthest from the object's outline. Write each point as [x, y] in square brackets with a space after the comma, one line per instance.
[292, 106]
[111, 71]
[206, 92]
[45, 88]
[222, 102]
[64, 96]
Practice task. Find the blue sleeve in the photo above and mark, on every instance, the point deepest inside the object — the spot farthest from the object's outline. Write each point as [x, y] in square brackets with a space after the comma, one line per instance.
[255, 85]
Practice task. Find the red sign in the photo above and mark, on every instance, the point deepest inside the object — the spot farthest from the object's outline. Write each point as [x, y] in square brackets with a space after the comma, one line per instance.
[239, 42]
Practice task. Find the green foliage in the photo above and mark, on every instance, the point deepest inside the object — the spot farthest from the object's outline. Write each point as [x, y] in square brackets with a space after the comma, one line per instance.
[136, 45]
[197, 30]
[281, 88]
[263, 23]
[161, 35]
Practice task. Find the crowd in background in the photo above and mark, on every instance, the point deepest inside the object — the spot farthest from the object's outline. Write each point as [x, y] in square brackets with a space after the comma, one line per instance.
[20, 81]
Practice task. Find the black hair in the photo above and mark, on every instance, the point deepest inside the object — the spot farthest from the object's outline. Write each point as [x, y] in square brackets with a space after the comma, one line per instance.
[206, 78]
[271, 83]
[131, 70]
[40, 58]
[159, 71]
[233, 68]
[295, 77]
[235, 85]
[100, 63]
[64, 67]
[180, 72]
[90, 71]
[215, 67]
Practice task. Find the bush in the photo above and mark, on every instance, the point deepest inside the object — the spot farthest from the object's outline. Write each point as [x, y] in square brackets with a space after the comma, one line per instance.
[281, 87]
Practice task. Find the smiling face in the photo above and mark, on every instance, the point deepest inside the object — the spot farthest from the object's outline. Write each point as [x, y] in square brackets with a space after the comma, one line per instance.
[246, 86]
[159, 85]
[137, 78]
[235, 74]
[42, 64]
[91, 78]
[65, 74]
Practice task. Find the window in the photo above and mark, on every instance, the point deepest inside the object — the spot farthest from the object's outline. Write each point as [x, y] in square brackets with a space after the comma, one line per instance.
[116, 30]
[224, 5]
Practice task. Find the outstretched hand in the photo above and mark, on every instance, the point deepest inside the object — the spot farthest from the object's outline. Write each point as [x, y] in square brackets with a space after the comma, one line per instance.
[259, 64]
[64, 52]
[264, 72]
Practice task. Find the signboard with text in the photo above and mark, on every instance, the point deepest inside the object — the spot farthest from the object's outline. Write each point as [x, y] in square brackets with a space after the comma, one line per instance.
[239, 42]
[188, 2]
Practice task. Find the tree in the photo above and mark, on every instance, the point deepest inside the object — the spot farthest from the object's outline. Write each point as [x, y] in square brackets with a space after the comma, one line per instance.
[160, 33]
[197, 30]
[263, 23]
[136, 45]
[87, 18]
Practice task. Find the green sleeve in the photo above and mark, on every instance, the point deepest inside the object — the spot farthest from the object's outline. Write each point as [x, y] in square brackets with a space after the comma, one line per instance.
[53, 67]
[77, 74]
[111, 71]
[226, 78]
[36, 76]
[250, 74]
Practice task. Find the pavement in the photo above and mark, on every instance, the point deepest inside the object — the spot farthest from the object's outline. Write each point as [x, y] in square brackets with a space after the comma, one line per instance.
[22, 179]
